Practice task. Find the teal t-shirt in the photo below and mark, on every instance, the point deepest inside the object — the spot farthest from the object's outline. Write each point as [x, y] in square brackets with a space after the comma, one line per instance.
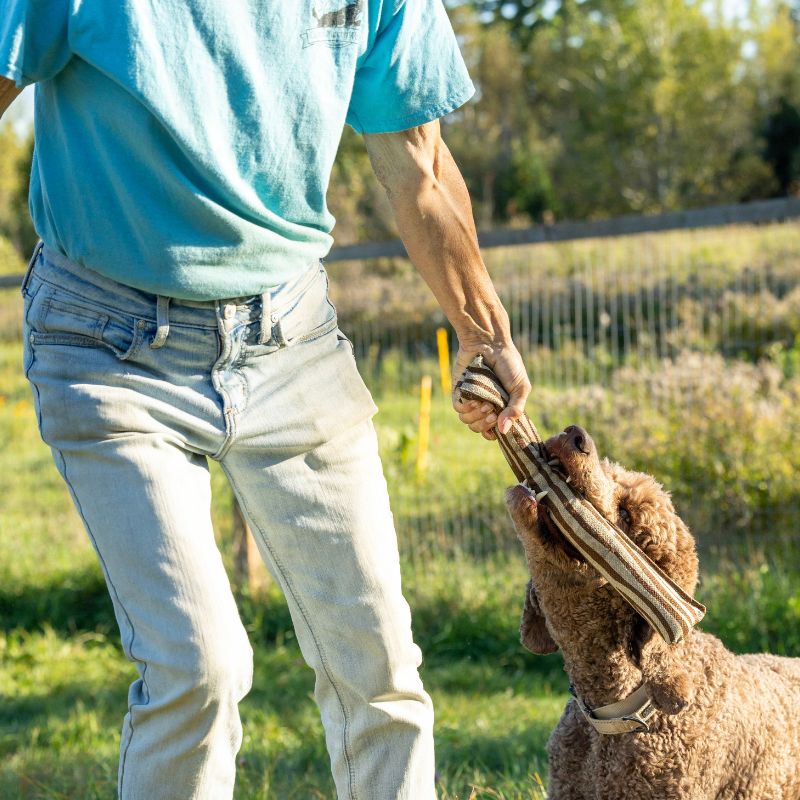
[184, 147]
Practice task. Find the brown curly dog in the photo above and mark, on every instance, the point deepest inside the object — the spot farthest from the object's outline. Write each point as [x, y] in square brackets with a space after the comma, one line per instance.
[725, 726]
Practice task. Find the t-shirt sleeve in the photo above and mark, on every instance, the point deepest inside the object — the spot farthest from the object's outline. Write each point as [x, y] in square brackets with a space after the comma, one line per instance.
[412, 71]
[34, 39]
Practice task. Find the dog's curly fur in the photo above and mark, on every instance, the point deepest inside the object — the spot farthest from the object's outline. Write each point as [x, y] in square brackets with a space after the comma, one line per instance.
[727, 727]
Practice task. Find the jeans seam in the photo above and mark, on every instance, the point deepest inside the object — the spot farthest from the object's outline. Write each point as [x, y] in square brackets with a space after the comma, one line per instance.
[79, 507]
[323, 658]
[75, 339]
[317, 333]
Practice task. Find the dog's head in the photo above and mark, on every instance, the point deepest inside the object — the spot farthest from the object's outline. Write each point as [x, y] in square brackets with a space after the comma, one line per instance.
[568, 604]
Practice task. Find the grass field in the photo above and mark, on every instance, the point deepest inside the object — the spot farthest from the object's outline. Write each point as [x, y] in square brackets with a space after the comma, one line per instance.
[727, 449]
[63, 678]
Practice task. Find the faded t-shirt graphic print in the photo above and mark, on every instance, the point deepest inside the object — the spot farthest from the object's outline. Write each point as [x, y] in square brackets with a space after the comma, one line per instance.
[336, 23]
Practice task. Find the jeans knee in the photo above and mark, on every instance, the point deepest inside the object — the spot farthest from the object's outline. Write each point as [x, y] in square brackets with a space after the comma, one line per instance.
[222, 673]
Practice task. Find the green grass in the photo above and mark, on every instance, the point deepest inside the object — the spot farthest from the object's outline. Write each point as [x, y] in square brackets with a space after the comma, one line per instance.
[63, 677]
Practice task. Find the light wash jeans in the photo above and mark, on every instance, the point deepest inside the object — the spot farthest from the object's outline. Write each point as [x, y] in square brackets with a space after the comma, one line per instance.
[134, 393]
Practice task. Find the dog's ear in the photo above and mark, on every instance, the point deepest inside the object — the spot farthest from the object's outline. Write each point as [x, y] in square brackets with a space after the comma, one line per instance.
[667, 682]
[639, 634]
[533, 631]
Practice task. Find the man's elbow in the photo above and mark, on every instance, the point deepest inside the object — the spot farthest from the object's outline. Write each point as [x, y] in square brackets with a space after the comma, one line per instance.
[8, 94]
[405, 163]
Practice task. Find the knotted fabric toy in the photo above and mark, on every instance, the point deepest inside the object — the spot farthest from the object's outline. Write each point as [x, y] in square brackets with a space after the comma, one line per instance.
[640, 581]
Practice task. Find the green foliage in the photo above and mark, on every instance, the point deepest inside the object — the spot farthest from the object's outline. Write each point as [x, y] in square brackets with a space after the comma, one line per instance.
[16, 226]
[605, 107]
[717, 422]
[782, 134]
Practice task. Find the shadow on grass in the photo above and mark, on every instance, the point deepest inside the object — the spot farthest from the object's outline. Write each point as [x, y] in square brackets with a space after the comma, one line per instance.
[76, 601]
[62, 714]
[446, 627]
[752, 609]
[514, 756]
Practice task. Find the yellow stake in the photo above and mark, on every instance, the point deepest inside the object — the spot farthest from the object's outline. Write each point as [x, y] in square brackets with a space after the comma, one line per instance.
[444, 360]
[424, 423]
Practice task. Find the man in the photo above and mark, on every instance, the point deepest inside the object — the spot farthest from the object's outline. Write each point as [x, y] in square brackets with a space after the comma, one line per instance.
[177, 311]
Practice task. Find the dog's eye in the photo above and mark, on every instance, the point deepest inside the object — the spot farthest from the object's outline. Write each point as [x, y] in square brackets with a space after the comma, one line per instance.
[623, 512]
[624, 516]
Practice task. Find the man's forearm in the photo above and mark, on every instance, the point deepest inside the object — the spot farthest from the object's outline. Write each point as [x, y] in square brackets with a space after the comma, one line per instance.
[434, 216]
[8, 94]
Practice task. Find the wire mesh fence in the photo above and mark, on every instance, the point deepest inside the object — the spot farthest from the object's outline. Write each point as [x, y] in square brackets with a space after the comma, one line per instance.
[678, 352]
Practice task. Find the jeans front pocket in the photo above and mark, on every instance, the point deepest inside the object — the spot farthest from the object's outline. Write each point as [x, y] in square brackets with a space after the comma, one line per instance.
[56, 317]
[309, 315]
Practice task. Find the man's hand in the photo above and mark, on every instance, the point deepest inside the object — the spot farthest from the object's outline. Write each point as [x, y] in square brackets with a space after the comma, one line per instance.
[434, 216]
[506, 363]
[8, 94]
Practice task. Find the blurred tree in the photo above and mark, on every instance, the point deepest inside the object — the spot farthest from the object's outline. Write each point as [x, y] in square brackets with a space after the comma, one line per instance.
[11, 150]
[501, 151]
[23, 234]
[15, 168]
[653, 106]
[355, 197]
[782, 133]
[613, 106]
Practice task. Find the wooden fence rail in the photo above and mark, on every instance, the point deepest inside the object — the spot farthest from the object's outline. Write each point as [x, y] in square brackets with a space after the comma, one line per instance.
[741, 213]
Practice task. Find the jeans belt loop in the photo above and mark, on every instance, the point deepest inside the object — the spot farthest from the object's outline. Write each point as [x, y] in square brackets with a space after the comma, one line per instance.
[266, 321]
[162, 319]
[28, 272]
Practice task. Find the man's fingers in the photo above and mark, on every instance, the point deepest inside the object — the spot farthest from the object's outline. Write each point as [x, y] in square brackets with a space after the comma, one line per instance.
[460, 407]
[482, 413]
[485, 424]
[513, 411]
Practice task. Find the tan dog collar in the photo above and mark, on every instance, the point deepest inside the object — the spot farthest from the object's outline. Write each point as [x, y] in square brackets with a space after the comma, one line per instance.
[629, 715]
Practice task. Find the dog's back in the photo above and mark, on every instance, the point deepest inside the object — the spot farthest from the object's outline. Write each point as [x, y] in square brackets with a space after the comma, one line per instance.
[768, 694]
[747, 711]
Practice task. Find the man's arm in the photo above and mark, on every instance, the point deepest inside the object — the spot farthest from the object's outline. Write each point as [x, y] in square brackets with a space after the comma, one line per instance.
[8, 94]
[434, 216]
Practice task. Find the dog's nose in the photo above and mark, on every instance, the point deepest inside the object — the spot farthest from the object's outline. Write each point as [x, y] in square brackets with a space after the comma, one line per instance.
[577, 439]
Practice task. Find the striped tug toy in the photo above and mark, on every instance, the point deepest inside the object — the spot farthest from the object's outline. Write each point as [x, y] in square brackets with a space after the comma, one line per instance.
[640, 581]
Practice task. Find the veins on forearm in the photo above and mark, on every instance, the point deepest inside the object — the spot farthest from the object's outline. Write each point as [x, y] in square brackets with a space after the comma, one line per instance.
[439, 232]
[433, 211]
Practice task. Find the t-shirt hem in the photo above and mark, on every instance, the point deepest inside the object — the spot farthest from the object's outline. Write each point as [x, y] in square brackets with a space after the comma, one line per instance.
[420, 118]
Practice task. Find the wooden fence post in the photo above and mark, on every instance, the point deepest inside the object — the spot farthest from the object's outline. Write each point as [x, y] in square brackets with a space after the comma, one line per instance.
[248, 564]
